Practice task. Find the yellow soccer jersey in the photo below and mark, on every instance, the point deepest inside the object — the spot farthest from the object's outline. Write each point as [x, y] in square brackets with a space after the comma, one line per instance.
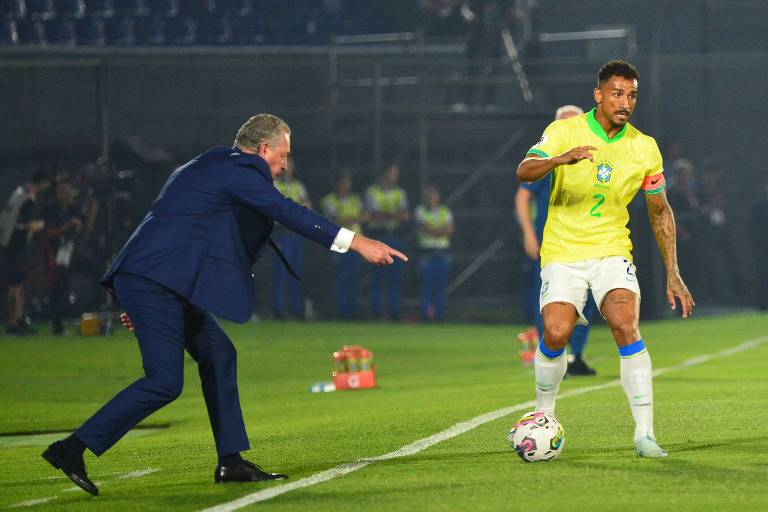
[588, 214]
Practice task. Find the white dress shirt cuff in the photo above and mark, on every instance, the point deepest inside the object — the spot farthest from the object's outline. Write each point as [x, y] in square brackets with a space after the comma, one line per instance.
[343, 240]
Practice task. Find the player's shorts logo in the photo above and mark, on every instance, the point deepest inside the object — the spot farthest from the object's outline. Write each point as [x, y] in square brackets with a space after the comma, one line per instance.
[544, 288]
[604, 171]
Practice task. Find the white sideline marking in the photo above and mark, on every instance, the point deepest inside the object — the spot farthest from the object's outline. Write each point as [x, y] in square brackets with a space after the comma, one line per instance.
[455, 430]
[139, 473]
[36, 501]
[131, 474]
[101, 475]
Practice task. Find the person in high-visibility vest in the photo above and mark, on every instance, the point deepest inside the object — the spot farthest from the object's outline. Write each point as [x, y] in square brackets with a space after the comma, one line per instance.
[434, 224]
[387, 206]
[346, 209]
[292, 247]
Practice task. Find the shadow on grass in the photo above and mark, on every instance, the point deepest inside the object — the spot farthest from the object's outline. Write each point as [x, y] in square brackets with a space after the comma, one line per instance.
[743, 444]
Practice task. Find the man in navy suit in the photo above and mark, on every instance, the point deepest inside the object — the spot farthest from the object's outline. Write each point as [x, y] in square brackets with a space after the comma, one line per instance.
[187, 263]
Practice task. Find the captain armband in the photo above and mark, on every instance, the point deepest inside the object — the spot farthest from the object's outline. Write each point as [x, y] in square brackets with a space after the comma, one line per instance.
[653, 184]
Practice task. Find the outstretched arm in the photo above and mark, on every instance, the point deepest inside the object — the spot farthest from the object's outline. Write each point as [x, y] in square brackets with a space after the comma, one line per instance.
[663, 224]
[374, 251]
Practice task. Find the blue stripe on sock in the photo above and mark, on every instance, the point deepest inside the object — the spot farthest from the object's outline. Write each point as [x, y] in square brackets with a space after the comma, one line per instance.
[549, 353]
[632, 349]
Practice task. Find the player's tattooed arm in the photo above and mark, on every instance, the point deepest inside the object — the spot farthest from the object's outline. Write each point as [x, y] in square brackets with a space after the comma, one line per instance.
[663, 224]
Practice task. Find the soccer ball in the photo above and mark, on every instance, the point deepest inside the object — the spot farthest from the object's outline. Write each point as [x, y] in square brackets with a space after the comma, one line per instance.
[537, 436]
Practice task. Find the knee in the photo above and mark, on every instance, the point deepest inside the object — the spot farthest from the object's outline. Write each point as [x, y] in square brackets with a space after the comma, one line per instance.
[168, 390]
[556, 334]
[625, 329]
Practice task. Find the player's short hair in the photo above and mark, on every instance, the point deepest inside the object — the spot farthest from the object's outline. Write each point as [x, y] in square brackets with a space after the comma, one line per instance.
[260, 129]
[617, 68]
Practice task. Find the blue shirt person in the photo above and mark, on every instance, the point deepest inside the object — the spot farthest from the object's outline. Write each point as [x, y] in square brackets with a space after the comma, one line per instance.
[531, 205]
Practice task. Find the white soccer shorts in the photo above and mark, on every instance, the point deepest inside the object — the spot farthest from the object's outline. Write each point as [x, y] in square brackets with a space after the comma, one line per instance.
[570, 282]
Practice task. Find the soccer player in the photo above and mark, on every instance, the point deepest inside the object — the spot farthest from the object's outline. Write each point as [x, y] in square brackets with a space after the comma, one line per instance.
[598, 163]
[531, 203]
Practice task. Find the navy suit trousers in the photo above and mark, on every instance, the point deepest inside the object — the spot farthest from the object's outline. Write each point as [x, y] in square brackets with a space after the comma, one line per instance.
[165, 326]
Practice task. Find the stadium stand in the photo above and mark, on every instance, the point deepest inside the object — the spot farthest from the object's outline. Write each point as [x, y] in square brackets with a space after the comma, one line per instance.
[189, 22]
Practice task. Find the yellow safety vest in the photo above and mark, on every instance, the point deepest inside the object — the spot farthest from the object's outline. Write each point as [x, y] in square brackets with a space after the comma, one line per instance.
[383, 200]
[438, 218]
[337, 209]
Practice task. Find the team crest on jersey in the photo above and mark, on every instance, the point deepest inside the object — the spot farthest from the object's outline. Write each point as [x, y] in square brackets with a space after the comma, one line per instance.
[604, 171]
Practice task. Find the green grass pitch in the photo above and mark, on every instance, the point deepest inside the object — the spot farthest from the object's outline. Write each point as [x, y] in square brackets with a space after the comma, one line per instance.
[711, 417]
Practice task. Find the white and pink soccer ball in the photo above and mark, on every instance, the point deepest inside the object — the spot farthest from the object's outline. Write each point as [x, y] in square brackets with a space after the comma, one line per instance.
[536, 437]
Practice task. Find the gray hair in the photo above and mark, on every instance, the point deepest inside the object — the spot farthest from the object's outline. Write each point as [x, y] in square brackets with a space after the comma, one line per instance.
[568, 108]
[260, 129]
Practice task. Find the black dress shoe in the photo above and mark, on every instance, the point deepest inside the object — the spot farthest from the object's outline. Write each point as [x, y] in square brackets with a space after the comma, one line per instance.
[244, 471]
[72, 466]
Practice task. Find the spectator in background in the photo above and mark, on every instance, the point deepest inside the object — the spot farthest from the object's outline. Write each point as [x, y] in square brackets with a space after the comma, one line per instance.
[62, 226]
[759, 235]
[387, 207]
[292, 247]
[20, 221]
[688, 218]
[345, 208]
[434, 225]
[488, 19]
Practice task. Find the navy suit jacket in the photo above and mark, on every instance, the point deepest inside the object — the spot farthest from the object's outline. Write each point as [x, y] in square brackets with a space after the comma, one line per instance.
[208, 226]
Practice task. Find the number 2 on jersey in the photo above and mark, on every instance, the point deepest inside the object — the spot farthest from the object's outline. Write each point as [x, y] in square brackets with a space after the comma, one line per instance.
[600, 200]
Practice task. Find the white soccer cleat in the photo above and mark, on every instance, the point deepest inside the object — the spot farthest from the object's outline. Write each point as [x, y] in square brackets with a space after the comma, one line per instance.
[648, 447]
